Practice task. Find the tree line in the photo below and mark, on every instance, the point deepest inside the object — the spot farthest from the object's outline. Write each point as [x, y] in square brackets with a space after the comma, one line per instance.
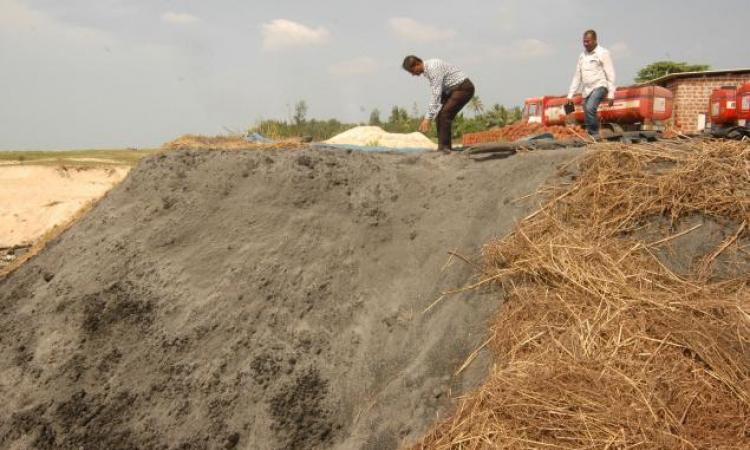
[399, 120]
[659, 69]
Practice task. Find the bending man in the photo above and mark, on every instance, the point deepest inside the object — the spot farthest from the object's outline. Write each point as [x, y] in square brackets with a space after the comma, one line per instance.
[451, 90]
[595, 78]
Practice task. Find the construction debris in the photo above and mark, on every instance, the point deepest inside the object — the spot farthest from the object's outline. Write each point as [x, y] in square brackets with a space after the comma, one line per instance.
[519, 130]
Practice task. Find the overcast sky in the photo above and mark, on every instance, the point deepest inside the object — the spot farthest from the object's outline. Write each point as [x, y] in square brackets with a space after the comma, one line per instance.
[118, 73]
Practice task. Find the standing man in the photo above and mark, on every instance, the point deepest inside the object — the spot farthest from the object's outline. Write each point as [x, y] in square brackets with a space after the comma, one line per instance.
[595, 78]
[450, 91]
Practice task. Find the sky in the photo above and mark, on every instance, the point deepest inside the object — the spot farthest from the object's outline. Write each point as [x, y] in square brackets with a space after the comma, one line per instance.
[138, 73]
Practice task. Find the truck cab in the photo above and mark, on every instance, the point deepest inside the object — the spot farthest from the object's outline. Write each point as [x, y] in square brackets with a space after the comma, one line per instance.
[722, 107]
[532, 110]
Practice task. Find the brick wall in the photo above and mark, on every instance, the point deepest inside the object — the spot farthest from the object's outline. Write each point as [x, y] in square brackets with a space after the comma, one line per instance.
[692, 94]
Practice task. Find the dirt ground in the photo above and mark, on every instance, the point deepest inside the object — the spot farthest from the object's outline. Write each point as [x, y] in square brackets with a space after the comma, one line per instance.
[259, 300]
[35, 198]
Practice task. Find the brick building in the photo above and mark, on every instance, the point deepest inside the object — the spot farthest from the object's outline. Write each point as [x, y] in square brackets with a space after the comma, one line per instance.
[691, 93]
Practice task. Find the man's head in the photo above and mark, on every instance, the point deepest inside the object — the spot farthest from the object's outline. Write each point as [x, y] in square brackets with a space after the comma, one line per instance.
[589, 40]
[413, 65]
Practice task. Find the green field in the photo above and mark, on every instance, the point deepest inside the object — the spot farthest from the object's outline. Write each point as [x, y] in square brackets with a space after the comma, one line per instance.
[83, 157]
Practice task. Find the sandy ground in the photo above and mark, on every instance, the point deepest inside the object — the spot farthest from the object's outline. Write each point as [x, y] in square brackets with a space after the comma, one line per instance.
[33, 199]
[259, 300]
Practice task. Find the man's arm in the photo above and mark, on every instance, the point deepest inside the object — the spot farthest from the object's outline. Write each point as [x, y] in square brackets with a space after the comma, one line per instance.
[609, 72]
[436, 92]
[576, 83]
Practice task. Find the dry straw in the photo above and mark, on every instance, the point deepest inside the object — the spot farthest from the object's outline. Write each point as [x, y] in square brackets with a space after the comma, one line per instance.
[599, 344]
[197, 142]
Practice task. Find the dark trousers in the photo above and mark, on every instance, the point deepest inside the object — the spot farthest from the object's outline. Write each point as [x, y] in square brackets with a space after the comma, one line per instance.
[591, 107]
[452, 101]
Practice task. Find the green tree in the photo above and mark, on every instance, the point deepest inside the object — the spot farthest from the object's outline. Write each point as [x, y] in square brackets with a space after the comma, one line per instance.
[497, 116]
[375, 118]
[398, 116]
[300, 112]
[463, 125]
[476, 106]
[399, 121]
[516, 115]
[662, 68]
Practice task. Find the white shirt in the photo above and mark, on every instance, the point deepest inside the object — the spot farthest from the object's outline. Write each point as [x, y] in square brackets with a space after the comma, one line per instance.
[594, 70]
[442, 77]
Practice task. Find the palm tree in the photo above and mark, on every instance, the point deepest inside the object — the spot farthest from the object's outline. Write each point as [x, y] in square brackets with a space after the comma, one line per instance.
[476, 105]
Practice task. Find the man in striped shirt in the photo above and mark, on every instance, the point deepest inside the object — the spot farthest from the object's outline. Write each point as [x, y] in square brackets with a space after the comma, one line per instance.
[450, 91]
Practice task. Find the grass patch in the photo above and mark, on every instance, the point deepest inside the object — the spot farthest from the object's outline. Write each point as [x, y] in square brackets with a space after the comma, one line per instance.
[83, 157]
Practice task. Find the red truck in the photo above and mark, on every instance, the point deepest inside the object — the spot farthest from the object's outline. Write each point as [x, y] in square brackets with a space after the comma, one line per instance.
[645, 108]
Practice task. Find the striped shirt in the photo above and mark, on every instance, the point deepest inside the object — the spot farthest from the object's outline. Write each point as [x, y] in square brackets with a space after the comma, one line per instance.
[442, 77]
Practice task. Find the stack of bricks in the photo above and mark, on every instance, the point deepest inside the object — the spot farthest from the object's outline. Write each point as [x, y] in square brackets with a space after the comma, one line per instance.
[519, 130]
[691, 96]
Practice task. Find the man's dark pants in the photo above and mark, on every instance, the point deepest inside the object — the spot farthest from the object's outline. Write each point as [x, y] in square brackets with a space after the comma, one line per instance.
[590, 108]
[452, 102]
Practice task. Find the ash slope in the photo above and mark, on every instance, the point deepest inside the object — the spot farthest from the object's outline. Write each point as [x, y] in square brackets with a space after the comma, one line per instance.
[259, 300]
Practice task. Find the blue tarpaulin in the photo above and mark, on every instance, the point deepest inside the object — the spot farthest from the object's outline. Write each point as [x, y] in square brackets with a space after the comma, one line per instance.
[375, 149]
[257, 137]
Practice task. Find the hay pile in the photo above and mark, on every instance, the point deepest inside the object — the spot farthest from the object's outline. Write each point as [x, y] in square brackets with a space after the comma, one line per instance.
[377, 137]
[198, 142]
[520, 130]
[600, 344]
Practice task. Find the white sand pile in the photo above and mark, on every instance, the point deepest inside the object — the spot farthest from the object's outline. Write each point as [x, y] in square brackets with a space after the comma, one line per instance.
[378, 137]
